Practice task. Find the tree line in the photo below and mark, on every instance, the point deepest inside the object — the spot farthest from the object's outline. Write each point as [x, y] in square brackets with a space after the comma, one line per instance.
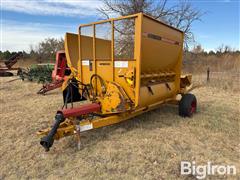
[220, 50]
[44, 51]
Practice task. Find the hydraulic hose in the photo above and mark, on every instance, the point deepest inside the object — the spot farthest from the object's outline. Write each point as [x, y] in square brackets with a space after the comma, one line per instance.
[103, 85]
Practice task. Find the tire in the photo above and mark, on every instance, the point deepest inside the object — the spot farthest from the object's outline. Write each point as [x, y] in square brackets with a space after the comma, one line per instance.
[6, 74]
[187, 105]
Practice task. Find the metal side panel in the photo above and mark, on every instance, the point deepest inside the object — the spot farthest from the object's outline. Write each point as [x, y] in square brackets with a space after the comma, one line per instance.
[71, 50]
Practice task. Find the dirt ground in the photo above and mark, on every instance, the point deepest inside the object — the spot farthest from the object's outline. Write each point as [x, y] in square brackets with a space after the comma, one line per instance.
[150, 146]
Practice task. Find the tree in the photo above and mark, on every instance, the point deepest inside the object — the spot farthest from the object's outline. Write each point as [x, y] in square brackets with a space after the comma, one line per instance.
[198, 49]
[46, 49]
[211, 52]
[5, 55]
[227, 49]
[223, 49]
[181, 15]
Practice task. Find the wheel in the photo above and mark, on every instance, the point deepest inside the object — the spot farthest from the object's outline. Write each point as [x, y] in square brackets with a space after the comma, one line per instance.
[187, 105]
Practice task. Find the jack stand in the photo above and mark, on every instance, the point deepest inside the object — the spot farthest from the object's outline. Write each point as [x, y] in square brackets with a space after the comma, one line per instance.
[77, 124]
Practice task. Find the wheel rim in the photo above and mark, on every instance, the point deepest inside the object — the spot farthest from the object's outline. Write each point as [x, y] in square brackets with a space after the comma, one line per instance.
[193, 107]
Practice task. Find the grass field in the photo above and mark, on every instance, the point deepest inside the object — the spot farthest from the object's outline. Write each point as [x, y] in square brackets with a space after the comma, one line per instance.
[149, 146]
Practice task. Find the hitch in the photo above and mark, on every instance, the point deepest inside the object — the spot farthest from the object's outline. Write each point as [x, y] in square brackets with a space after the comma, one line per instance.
[60, 123]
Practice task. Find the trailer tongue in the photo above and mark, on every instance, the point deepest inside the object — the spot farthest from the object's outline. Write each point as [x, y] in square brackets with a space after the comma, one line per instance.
[129, 67]
[60, 117]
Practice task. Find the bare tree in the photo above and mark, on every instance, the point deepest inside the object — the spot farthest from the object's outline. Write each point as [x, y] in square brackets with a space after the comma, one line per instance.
[45, 50]
[197, 49]
[223, 49]
[181, 15]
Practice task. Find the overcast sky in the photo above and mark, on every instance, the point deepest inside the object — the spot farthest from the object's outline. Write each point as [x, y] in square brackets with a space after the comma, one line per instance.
[27, 22]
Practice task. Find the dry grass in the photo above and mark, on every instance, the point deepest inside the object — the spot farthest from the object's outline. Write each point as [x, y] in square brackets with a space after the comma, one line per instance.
[224, 70]
[227, 81]
[198, 63]
[149, 146]
[24, 63]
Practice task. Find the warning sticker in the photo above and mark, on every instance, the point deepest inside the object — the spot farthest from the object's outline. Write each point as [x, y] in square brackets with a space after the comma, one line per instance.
[85, 62]
[86, 127]
[121, 64]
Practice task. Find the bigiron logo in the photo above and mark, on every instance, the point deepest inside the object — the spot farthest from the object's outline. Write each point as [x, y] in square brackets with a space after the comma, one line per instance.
[202, 171]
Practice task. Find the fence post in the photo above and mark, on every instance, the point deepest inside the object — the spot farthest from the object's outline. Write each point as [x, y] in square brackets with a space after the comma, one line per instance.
[208, 74]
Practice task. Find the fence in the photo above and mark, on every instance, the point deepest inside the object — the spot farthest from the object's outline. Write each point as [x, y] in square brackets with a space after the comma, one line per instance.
[228, 80]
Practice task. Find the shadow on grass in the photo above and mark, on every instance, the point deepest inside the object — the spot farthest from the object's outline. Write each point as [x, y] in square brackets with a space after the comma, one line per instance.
[164, 116]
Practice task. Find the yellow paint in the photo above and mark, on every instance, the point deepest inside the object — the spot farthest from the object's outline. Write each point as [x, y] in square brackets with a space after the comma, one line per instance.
[151, 56]
[135, 85]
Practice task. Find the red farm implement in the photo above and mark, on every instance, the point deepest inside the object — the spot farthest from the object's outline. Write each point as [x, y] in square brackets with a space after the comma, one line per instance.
[8, 65]
[60, 71]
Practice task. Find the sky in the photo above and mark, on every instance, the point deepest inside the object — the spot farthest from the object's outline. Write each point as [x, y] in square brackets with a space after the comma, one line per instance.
[25, 23]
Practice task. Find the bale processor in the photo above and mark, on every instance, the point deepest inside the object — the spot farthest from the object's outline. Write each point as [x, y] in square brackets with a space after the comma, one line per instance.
[120, 68]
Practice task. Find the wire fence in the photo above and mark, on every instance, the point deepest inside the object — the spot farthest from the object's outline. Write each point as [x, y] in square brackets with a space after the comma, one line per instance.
[222, 80]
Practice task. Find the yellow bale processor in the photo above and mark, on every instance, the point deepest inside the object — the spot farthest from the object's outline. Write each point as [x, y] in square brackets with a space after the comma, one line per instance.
[120, 68]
